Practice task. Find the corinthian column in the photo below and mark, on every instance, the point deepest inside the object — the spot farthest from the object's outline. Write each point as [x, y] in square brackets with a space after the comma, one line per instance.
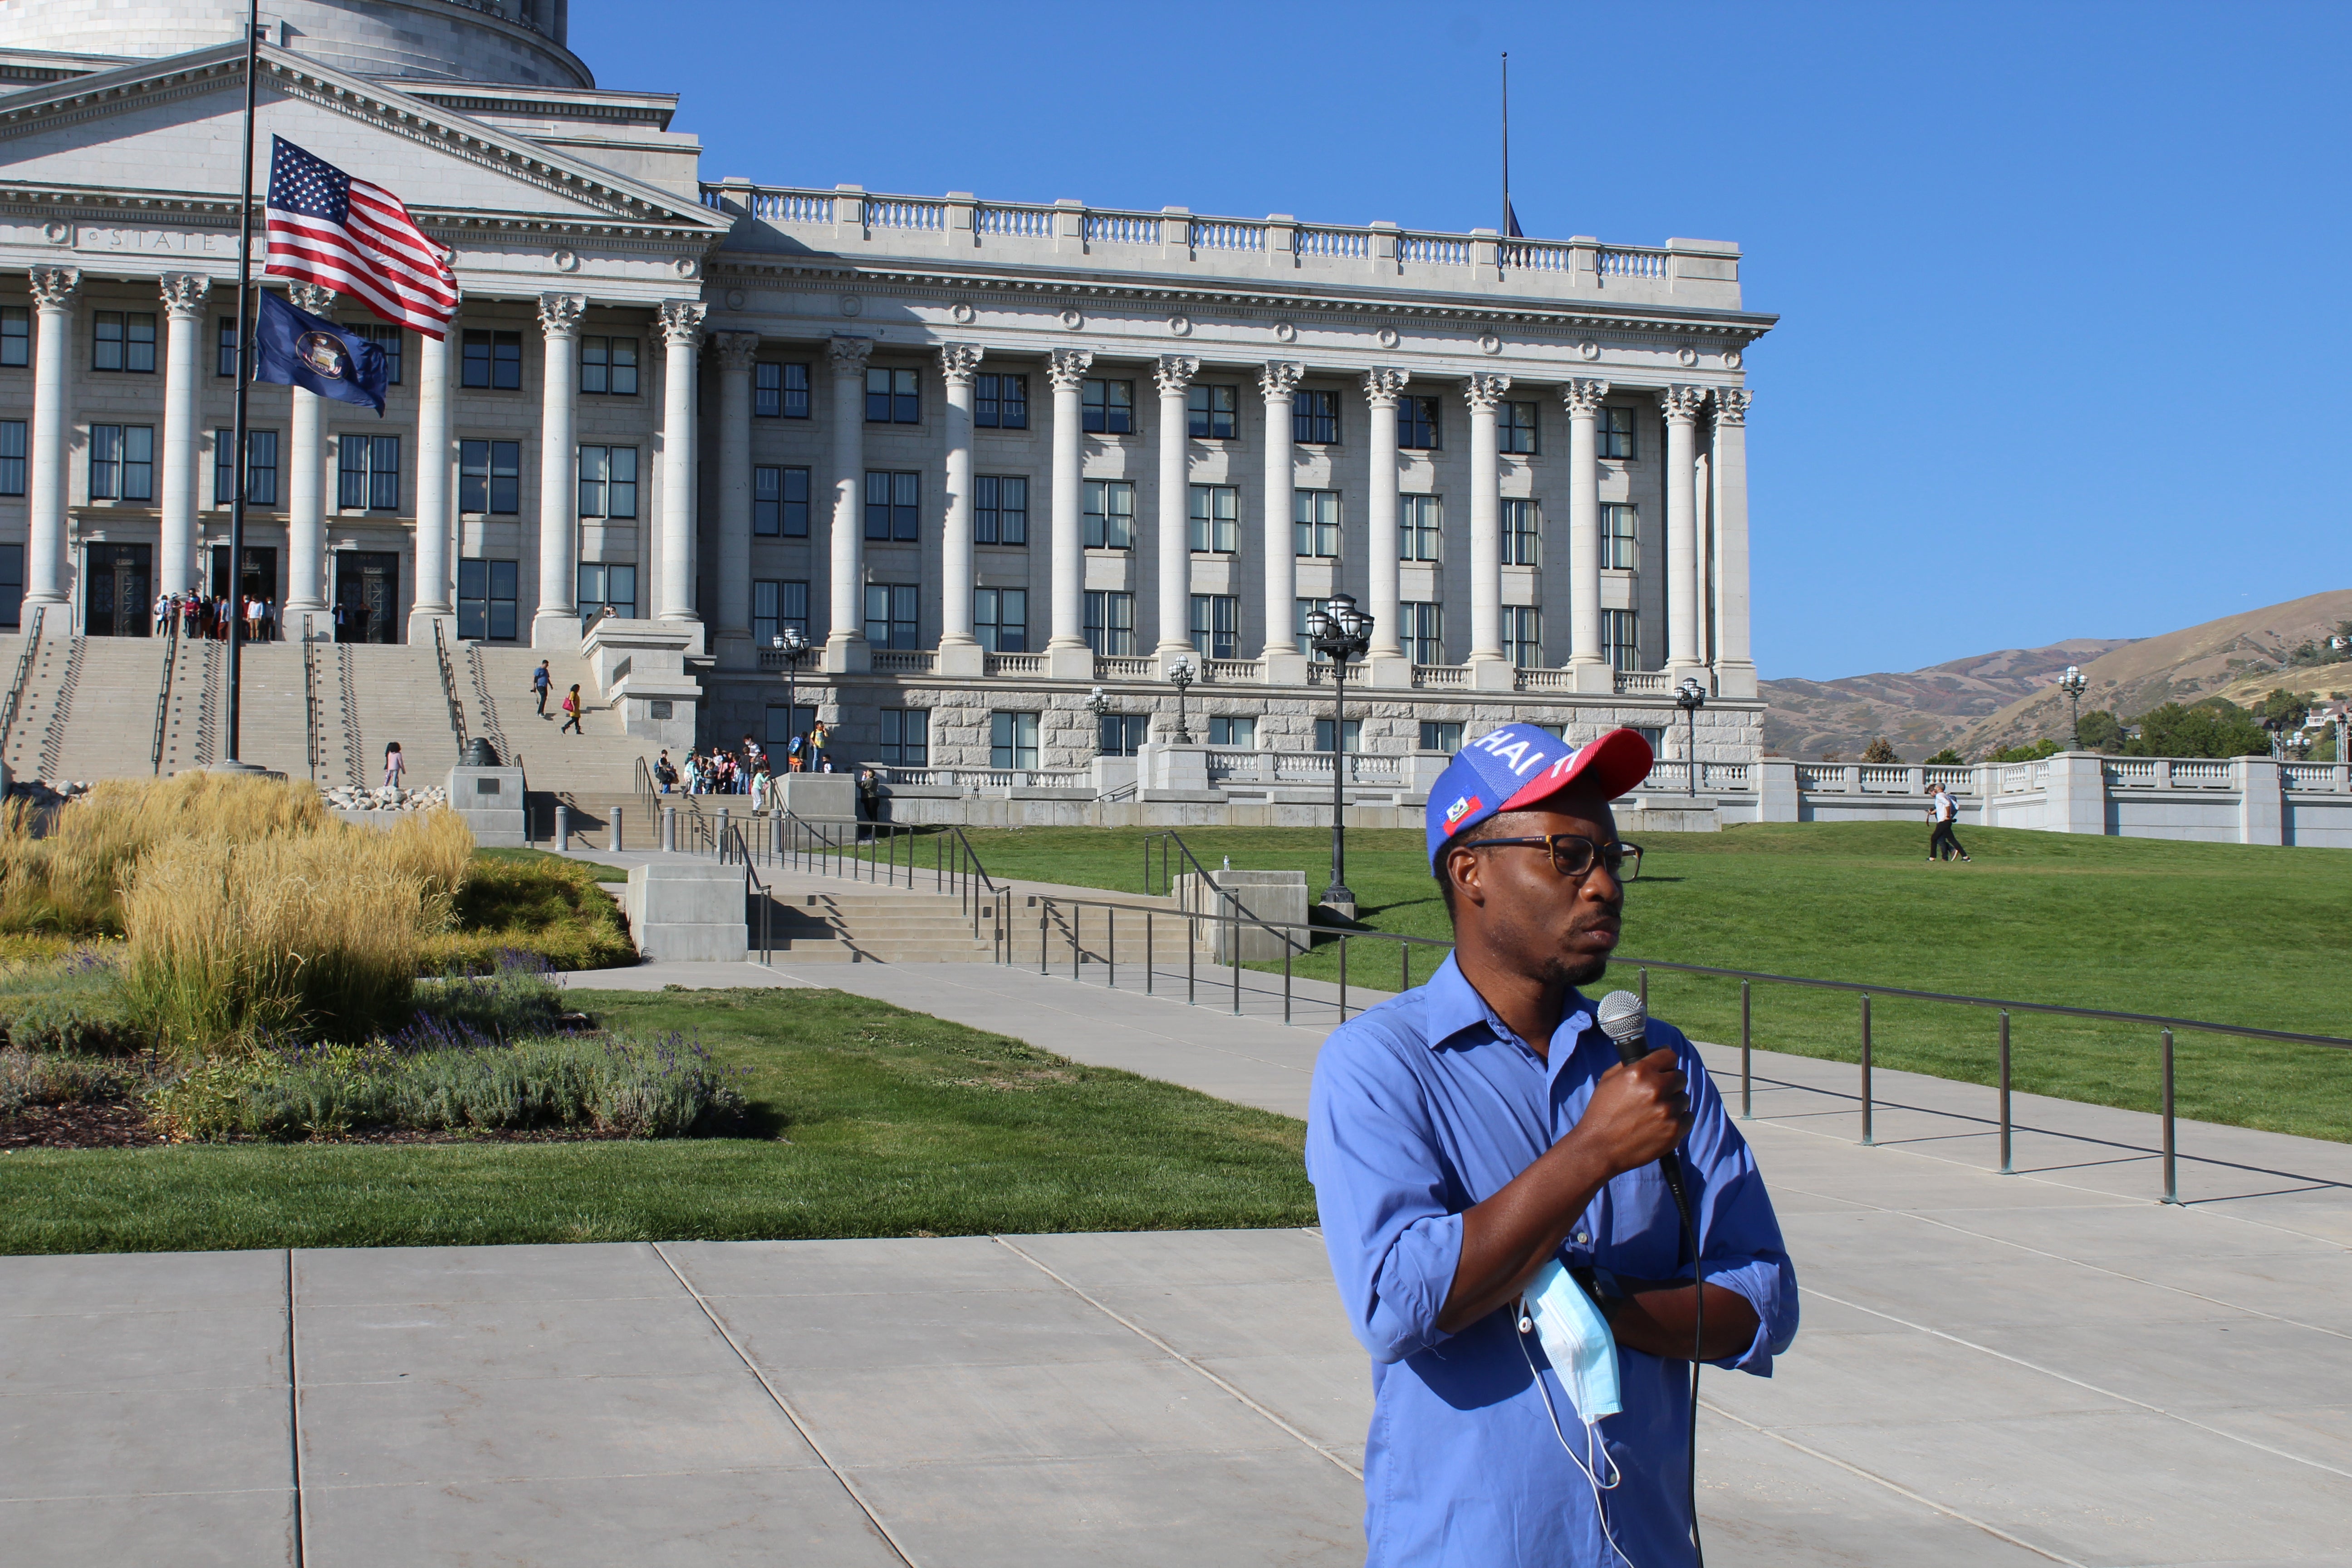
[844, 642]
[1381, 389]
[960, 651]
[1585, 656]
[737, 352]
[54, 288]
[435, 517]
[184, 302]
[1277, 384]
[1067, 654]
[681, 324]
[1174, 373]
[1489, 668]
[1735, 666]
[306, 489]
[1684, 574]
[556, 622]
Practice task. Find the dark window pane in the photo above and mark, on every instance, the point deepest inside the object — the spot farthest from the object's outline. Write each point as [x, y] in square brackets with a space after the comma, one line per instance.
[16, 336]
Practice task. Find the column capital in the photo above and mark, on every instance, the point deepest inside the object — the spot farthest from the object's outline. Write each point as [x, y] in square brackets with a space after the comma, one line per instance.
[558, 314]
[184, 293]
[958, 362]
[54, 288]
[1582, 398]
[1682, 404]
[1382, 387]
[1278, 378]
[1174, 372]
[1068, 367]
[1731, 405]
[849, 354]
[1485, 389]
[315, 298]
[681, 320]
[736, 350]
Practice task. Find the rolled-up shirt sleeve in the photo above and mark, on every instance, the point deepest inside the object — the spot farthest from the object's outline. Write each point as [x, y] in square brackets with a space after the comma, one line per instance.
[1740, 1235]
[1381, 1192]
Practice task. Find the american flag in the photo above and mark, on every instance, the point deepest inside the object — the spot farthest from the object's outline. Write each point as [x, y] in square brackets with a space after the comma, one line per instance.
[355, 237]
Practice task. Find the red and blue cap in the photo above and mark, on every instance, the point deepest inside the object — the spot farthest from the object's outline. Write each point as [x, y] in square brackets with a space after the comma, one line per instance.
[1518, 767]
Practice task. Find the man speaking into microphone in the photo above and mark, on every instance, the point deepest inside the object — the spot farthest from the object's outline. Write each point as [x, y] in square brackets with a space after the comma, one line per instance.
[1487, 1162]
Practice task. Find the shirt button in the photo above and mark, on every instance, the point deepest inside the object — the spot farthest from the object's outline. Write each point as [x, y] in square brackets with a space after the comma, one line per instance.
[1584, 1238]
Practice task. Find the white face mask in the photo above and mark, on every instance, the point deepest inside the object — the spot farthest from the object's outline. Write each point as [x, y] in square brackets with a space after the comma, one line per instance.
[1576, 1338]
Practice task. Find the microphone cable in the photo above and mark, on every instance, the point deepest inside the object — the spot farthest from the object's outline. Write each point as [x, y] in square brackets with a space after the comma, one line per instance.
[1698, 1342]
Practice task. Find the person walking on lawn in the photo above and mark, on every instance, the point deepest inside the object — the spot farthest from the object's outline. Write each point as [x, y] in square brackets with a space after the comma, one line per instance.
[1943, 811]
[572, 713]
[541, 681]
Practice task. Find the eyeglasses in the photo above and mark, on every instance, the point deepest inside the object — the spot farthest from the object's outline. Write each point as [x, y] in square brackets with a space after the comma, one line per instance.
[1572, 854]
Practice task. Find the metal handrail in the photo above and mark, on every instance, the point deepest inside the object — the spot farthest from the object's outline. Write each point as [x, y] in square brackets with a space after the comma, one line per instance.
[309, 707]
[733, 847]
[1168, 836]
[24, 673]
[449, 688]
[164, 695]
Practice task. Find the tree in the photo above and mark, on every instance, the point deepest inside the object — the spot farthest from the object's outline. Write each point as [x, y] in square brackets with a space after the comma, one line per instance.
[1880, 750]
[2215, 728]
[2101, 732]
[2032, 753]
[2293, 707]
[1947, 758]
[1833, 757]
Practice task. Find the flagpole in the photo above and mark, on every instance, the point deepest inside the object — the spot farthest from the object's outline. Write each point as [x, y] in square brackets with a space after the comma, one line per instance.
[1506, 226]
[229, 762]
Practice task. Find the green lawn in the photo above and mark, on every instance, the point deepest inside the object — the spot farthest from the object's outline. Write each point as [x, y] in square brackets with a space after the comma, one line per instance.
[867, 1120]
[2225, 932]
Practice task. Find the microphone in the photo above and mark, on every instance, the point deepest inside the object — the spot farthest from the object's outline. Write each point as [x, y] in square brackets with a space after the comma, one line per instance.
[1625, 1019]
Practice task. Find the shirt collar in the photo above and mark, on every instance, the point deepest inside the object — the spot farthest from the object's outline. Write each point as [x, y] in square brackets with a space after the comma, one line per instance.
[1452, 1004]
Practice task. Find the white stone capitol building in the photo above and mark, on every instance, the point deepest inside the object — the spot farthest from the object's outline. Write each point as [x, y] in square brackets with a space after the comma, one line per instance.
[987, 455]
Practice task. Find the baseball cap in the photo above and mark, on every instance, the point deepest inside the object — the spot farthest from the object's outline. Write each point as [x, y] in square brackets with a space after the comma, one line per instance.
[1518, 766]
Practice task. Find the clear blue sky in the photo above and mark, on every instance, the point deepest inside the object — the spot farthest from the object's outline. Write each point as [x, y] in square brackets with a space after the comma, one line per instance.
[2063, 286]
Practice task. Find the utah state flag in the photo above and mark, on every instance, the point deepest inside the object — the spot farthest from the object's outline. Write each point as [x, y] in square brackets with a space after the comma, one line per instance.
[295, 348]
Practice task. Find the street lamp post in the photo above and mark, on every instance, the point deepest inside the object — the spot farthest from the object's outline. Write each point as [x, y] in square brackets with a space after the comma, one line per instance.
[1099, 705]
[1339, 632]
[1180, 676]
[1690, 696]
[795, 647]
[2071, 684]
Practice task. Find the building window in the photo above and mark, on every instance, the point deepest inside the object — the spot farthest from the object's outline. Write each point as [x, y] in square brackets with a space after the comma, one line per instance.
[485, 600]
[1216, 625]
[1523, 636]
[1213, 413]
[11, 457]
[17, 336]
[891, 615]
[369, 472]
[1216, 517]
[602, 585]
[893, 397]
[1224, 731]
[1515, 428]
[225, 348]
[1107, 407]
[1621, 638]
[893, 504]
[1613, 434]
[1522, 534]
[1314, 522]
[1420, 519]
[779, 501]
[608, 481]
[1315, 416]
[260, 467]
[1110, 514]
[382, 334]
[1353, 731]
[490, 478]
[907, 737]
[1417, 423]
[1421, 631]
[1111, 623]
[1120, 734]
[780, 390]
[1000, 509]
[1619, 549]
[1301, 610]
[491, 359]
[1001, 402]
[1013, 739]
[786, 723]
[123, 340]
[122, 462]
[1441, 735]
[774, 606]
[11, 584]
[1000, 619]
[608, 366]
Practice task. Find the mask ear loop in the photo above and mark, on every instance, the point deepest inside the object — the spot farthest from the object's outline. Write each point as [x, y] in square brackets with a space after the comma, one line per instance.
[1592, 1435]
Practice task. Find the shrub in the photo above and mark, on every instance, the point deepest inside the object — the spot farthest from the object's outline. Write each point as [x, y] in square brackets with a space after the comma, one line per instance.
[1881, 750]
[537, 903]
[71, 1004]
[2216, 728]
[1947, 758]
[58, 1078]
[2045, 747]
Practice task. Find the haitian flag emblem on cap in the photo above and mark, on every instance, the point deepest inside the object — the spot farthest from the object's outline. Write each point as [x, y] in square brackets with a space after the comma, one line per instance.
[1520, 766]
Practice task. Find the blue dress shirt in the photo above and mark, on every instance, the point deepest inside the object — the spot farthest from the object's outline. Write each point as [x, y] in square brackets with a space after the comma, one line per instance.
[1426, 1105]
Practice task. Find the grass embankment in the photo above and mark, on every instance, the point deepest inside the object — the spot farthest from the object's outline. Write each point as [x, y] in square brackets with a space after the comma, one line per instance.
[2225, 932]
[532, 902]
[864, 1119]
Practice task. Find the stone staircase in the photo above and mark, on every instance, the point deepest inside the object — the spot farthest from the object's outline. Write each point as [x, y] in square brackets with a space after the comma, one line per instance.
[195, 712]
[392, 691]
[822, 920]
[600, 761]
[103, 721]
